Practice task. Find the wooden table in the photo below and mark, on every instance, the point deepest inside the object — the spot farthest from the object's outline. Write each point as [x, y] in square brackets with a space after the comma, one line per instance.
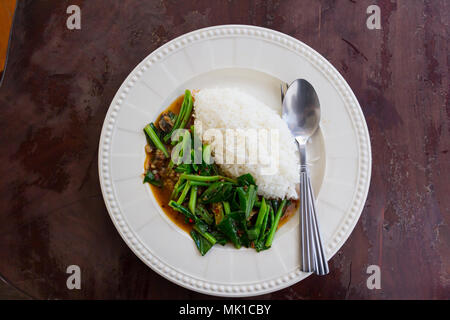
[57, 87]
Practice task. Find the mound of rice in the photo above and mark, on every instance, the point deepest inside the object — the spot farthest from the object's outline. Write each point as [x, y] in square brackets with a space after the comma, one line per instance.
[230, 108]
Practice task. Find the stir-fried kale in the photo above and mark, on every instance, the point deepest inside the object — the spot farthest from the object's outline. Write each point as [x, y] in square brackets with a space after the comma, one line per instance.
[220, 209]
[246, 180]
[151, 133]
[202, 244]
[231, 227]
[184, 115]
[217, 192]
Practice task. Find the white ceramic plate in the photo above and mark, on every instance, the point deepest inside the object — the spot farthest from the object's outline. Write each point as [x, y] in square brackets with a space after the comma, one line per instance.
[257, 60]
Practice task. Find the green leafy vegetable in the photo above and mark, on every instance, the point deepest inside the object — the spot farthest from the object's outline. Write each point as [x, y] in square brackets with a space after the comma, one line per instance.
[206, 153]
[193, 177]
[203, 245]
[203, 230]
[220, 237]
[150, 132]
[247, 199]
[184, 193]
[196, 149]
[150, 178]
[181, 153]
[204, 214]
[183, 168]
[226, 207]
[246, 180]
[217, 192]
[230, 226]
[274, 227]
[188, 215]
[199, 183]
[253, 234]
[260, 242]
[183, 116]
[193, 199]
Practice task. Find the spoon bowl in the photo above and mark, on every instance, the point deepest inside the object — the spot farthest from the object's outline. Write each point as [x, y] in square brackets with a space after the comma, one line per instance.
[301, 109]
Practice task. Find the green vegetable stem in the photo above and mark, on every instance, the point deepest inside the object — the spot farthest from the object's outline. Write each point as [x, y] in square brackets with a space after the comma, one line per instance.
[150, 132]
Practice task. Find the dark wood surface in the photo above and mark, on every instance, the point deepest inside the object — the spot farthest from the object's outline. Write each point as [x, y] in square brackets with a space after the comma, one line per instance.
[59, 83]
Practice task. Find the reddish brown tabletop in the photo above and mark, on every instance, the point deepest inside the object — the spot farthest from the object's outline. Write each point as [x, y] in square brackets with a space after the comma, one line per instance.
[57, 87]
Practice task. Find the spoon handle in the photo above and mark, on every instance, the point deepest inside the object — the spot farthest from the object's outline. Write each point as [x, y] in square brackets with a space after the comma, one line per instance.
[308, 255]
[313, 258]
[321, 260]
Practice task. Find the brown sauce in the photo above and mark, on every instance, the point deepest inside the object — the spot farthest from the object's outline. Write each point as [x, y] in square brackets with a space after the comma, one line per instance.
[162, 195]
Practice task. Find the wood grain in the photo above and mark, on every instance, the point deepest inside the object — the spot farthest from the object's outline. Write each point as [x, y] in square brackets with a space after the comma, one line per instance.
[58, 85]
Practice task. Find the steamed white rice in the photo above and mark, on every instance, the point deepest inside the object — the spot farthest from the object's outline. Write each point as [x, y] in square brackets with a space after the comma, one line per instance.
[276, 172]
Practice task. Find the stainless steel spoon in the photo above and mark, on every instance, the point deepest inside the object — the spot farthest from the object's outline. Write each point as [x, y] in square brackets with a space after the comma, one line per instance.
[301, 112]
